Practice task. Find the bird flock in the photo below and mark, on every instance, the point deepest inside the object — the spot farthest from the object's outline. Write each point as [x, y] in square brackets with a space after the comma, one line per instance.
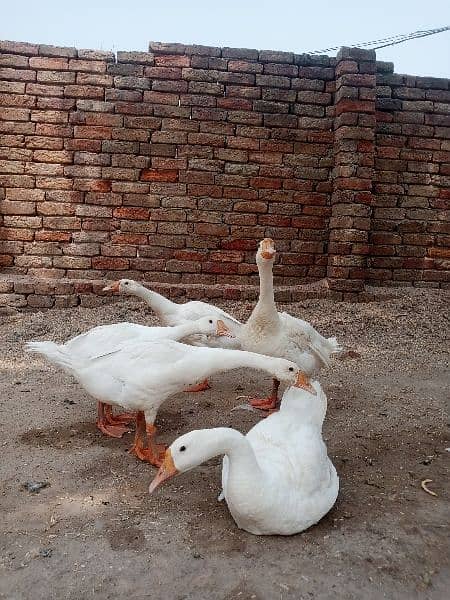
[276, 479]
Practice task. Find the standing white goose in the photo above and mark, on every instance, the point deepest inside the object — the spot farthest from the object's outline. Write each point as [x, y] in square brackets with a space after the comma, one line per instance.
[140, 375]
[106, 338]
[171, 313]
[278, 478]
[279, 334]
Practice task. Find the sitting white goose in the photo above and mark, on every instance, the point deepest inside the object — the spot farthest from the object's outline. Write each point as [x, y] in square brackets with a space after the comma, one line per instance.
[279, 334]
[105, 338]
[278, 479]
[139, 376]
[171, 313]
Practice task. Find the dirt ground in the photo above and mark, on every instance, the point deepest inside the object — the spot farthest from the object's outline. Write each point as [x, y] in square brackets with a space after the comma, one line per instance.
[96, 533]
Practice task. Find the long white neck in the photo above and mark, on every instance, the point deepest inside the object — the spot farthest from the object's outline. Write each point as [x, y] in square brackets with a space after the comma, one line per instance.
[219, 360]
[265, 308]
[158, 303]
[244, 469]
[178, 332]
[266, 282]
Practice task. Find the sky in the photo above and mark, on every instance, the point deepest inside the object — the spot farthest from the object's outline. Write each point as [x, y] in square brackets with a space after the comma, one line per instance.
[296, 26]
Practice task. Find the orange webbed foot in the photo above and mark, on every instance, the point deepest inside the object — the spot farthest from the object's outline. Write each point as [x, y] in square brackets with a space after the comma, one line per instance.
[144, 446]
[264, 403]
[200, 387]
[116, 431]
[153, 455]
[124, 418]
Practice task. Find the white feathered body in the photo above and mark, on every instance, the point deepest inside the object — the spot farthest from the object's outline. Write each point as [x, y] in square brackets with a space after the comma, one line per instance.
[96, 340]
[137, 375]
[298, 483]
[140, 375]
[172, 314]
[279, 334]
[284, 336]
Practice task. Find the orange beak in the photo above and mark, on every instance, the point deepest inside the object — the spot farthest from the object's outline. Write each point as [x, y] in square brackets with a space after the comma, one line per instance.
[114, 287]
[303, 382]
[267, 248]
[222, 329]
[166, 471]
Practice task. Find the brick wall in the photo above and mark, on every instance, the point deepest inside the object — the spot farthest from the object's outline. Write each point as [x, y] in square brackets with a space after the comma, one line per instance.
[410, 235]
[170, 165]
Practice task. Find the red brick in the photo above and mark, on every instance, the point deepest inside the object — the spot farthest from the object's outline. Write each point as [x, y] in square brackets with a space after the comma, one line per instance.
[210, 229]
[183, 266]
[265, 182]
[168, 175]
[219, 267]
[53, 130]
[209, 139]
[110, 263]
[13, 233]
[52, 236]
[92, 79]
[17, 74]
[128, 238]
[92, 132]
[131, 213]
[212, 191]
[234, 103]
[174, 60]
[83, 91]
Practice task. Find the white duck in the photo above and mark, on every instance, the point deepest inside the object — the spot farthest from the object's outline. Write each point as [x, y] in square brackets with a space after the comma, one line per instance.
[278, 479]
[170, 313]
[279, 334]
[140, 375]
[106, 338]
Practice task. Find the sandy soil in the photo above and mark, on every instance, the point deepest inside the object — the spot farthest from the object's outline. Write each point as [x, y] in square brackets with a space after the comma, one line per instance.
[96, 533]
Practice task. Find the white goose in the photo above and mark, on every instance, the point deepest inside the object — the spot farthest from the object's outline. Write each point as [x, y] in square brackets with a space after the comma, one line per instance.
[106, 338]
[171, 313]
[278, 479]
[279, 334]
[139, 376]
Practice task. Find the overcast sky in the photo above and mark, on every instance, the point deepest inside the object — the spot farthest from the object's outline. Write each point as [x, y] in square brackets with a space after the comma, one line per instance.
[290, 25]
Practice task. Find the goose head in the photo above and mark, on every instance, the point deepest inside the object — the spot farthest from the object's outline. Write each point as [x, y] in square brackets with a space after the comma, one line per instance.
[266, 251]
[212, 326]
[187, 452]
[123, 286]
[290, 374]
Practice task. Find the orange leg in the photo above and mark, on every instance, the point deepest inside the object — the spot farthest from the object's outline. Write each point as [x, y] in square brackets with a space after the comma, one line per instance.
[105, 426]
[200, 387]
[269, 403]
[144, 446]
[120, 419]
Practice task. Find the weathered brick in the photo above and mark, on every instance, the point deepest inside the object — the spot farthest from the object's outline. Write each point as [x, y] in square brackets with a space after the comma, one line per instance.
[84, 91]
[169, 175]
[146, 58]
[93, 79]
[13, 60]
[130, 82]
[11, 74]
[211, 168]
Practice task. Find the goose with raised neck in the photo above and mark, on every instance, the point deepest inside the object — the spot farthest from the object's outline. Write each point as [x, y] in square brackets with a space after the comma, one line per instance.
[279, 334]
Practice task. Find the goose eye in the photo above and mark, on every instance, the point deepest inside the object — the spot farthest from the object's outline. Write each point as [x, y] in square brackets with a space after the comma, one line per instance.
[126, 283]
[210, 320]
[182, 448]
[291, 368]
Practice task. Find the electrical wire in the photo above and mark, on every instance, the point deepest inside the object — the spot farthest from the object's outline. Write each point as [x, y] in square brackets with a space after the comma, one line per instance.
[389, 41]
